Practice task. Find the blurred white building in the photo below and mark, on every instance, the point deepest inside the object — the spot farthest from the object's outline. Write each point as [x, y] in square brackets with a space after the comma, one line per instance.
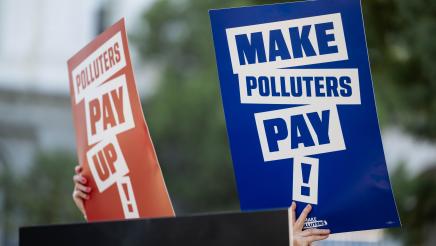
[37, 39]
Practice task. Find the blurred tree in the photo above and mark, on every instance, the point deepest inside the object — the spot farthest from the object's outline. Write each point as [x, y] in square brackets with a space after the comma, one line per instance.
[6, 200]
[47, 187]
[416, 204]
[401, 38]
[40, 196]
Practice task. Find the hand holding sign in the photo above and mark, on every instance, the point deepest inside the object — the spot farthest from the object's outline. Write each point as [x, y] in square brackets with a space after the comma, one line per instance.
[81, 191]
[300, 237]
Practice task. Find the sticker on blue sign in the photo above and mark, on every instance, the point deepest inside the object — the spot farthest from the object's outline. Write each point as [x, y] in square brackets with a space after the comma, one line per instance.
[300, 112]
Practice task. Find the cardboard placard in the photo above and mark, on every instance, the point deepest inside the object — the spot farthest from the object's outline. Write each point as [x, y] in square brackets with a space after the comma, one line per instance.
[300, 112]
[113, 142]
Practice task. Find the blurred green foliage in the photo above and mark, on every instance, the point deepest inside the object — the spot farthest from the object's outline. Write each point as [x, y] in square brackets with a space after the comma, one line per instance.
[42, 195]
[416, 203]
[401, 39]
[47, 185]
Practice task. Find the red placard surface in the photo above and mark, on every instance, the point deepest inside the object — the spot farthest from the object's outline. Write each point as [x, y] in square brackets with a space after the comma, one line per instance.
[113, 142]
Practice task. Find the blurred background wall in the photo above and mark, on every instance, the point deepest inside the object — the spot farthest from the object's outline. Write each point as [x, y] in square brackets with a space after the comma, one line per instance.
[175, 71]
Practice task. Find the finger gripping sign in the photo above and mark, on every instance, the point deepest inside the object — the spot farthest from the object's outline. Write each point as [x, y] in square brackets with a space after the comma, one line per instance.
[113, 142]
[300, 112]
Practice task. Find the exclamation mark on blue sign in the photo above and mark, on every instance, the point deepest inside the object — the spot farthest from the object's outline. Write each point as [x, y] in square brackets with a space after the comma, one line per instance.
[305, 180]
[305, 171]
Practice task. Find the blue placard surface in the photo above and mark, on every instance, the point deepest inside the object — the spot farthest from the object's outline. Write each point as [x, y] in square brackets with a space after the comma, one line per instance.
[300, 112]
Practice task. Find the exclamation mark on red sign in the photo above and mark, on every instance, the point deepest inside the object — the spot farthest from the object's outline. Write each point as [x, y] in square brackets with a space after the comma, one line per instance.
[305, 171]
[129, 202]
[127, 198]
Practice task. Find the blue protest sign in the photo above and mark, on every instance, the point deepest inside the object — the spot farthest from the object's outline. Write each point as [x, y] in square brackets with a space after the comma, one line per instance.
[300, 112]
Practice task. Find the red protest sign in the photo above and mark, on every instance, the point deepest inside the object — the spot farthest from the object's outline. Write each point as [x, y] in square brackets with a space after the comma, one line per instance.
[113, 143]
